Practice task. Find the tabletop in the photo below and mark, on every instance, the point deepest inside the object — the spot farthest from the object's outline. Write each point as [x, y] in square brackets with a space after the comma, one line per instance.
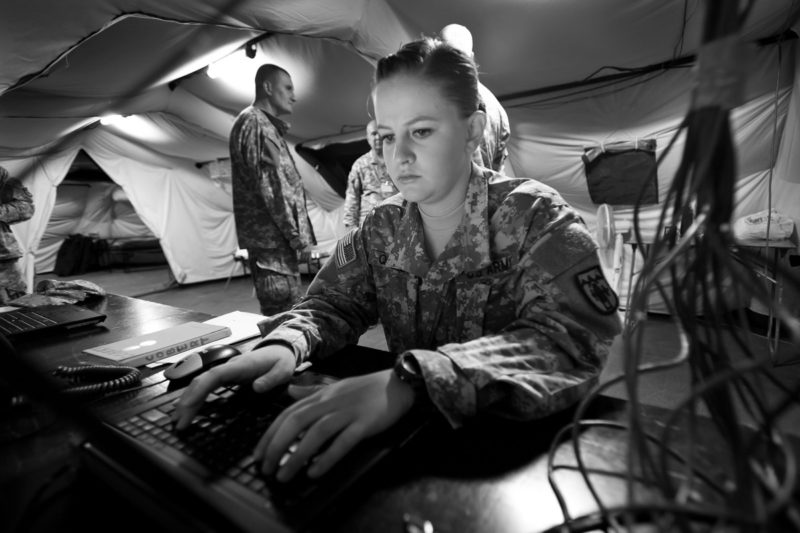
[490, 475]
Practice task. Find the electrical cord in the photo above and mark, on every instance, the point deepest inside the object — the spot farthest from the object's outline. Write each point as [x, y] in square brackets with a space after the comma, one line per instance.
[755, 468]
[130, 390]
[97, 379]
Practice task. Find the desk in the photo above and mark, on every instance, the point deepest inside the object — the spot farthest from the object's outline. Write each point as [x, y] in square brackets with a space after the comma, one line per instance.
[490, 477]
[775, 252]
[778, 250]
[43, 444]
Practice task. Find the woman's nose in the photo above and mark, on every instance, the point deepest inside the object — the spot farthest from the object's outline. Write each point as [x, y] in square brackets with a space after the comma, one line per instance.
[402, 151]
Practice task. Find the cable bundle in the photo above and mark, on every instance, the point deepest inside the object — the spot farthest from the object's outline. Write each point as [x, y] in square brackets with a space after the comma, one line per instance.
[740, 475]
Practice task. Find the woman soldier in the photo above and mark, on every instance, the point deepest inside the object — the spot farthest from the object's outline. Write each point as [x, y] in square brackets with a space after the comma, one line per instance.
[489, 288]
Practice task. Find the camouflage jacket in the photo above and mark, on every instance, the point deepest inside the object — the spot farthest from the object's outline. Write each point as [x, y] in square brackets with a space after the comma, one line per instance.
[16, 205]
[269, 203]
[514, 318]
[493, 149]
[368, 184]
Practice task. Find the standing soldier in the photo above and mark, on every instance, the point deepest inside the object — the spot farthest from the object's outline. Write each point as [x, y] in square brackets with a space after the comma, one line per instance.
[16, 205]
[492, 152]
[368, 183]
[269, 203]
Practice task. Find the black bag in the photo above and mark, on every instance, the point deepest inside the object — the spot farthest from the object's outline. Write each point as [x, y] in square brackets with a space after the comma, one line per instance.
[622, 173]
[78, 254]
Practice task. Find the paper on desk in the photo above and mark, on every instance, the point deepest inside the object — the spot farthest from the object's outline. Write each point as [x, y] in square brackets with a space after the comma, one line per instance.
[243, 326]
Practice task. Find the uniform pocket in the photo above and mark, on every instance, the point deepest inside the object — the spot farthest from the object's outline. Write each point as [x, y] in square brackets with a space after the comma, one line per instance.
[472, 306]
[396, 294]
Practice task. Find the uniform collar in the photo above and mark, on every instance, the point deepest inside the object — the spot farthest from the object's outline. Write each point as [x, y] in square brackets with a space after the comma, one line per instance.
[476, 240]
[281, 125]
[468, 250]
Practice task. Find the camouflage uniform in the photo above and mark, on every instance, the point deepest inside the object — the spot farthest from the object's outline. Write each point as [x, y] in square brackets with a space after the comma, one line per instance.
[269, 207]
[493, 150]
[513, 319]
[368, 184]
[16, 205]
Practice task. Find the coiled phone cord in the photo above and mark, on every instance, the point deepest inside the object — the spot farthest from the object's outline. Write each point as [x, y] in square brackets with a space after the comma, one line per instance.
[94, 379]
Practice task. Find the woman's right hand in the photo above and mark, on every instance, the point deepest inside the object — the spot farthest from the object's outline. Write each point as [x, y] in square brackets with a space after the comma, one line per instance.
[266, 367]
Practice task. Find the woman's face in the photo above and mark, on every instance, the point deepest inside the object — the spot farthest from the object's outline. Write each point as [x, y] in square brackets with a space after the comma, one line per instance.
[427, 145]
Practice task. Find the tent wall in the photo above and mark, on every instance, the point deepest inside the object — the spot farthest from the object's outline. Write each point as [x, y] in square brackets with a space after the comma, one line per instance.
[88, 207]
[188, 212]
[551, 131]
[86, 57]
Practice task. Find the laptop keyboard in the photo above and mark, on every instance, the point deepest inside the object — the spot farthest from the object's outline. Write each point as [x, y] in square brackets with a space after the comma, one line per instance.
[15, 322]
[221, 437]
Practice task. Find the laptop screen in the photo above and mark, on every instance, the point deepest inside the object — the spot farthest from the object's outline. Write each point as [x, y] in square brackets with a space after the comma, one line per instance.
[33, 320]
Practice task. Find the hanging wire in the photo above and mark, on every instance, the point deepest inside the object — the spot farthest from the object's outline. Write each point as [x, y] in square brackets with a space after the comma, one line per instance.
[718, 459]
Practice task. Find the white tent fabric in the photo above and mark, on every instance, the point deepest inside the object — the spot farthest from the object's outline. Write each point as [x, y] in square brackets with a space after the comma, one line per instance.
[90, 208]
[144, 58]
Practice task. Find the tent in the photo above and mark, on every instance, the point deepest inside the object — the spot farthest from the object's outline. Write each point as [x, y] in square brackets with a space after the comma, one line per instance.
[574, 76]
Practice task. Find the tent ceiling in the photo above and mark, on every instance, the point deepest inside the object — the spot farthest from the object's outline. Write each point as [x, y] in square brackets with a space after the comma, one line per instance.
[87, 58]
[146, 58]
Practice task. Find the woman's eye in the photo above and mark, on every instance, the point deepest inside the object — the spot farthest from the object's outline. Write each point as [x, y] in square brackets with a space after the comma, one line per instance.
[422, 132]
[387, 139]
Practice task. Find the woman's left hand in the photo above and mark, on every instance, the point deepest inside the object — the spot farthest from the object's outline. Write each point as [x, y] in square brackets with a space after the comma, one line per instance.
[329, 421]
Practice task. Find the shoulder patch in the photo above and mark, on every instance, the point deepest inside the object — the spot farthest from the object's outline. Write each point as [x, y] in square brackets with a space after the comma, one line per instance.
[345, 250]
[597, 291]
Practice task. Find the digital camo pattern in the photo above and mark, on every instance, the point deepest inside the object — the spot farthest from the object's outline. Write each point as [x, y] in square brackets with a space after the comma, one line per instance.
[275, 292]
[16, 205]
[493, 149]
[12, 282]
[499, 322]
[368, 184]
[269, 202]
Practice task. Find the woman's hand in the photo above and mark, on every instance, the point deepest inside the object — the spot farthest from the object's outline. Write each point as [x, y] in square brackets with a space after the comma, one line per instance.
[266, 367]
[328, 422]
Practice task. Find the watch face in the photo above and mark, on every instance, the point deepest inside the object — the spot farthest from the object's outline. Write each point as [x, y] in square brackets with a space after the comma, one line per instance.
[407, 369]
[411, 366]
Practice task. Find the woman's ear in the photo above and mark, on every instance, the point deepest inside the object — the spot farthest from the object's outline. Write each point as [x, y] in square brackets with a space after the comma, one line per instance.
[475, 126]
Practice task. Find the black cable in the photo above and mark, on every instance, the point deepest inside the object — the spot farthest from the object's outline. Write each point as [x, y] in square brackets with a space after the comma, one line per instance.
[97, 379]
[130, 390]
[690, 270]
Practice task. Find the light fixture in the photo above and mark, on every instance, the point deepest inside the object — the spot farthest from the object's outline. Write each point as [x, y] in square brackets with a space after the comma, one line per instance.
[229, 65]
[111, 120]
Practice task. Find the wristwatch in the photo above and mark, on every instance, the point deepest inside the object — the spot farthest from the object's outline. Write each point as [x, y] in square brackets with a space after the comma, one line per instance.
[408, 370]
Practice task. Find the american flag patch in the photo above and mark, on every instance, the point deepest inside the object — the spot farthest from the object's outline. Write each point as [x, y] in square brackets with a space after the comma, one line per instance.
[345, 250]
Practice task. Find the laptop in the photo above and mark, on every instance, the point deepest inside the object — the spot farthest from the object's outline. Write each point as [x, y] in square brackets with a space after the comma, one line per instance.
[203, 479]
[45, 318]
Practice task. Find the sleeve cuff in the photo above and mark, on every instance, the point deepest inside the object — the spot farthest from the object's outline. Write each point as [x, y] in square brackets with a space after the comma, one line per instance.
[292, 340]
[452, 395]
